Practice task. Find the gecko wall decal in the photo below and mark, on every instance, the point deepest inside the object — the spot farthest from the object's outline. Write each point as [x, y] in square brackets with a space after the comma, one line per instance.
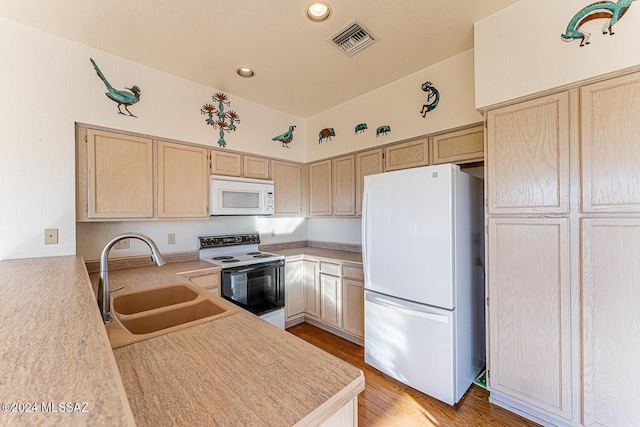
[611, 11]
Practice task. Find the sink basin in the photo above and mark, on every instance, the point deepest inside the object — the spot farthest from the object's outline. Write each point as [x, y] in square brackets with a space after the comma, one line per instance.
[148, 313]
[148, 299]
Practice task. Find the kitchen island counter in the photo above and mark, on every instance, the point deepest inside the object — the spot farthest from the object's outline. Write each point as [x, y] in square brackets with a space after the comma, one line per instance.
[237, 370]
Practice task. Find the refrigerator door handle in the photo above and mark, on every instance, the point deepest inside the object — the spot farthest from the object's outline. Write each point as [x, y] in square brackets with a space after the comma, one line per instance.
[379, 300]
[365, 208]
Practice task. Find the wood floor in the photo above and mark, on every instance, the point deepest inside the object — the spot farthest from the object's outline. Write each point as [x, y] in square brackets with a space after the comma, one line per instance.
[387, 402]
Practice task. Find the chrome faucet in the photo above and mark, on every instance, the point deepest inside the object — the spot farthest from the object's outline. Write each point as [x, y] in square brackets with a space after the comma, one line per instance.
[104, 288]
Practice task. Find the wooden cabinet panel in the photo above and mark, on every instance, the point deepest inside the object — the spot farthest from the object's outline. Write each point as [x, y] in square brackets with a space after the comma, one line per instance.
[311, 286]
[355, 273]
[367, 163]
[611, 321]
[331, 300]
[294, 288]
[119, 176]
[344, 186]
[611, 145]
[353, 307]
[183, 178]
[256, 167]
[320, 189]
[330, 268]
[287, 182]
[529, 311]
[528, 157]
[409, 154]
[463, 146]
[226, 163]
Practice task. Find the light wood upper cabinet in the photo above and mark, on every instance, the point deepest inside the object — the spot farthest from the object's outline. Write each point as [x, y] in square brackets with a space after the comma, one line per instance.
[115, 176]
[408, 154]
[611, 145]
[320, 189]
[183, 177]
[463, 146]
[256, 167]
[530, 311]
[226, 163]
[287, 183]
[527, 160]
[344, 186]
[611, 323]
[367, 163]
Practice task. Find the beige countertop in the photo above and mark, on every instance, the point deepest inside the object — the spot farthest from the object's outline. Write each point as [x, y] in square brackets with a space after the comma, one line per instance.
[334, 254]
[238, 370]
[55, 348]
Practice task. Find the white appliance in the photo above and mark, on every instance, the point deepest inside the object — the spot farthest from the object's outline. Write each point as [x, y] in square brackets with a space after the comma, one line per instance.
[250, 278]
[423, 250]
[240, 196]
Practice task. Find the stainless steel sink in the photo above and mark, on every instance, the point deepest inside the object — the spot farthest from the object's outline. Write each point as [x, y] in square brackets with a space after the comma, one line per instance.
[148, 313]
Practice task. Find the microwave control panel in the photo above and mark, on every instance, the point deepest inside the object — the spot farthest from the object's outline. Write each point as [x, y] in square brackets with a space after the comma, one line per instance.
[270, 202]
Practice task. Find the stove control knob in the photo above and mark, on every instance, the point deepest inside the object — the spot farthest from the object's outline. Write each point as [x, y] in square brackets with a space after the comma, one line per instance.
[238, 239]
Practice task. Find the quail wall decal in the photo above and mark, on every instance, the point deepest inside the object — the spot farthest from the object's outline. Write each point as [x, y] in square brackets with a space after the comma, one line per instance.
[122, 97]
[286, 137]
[612, 12]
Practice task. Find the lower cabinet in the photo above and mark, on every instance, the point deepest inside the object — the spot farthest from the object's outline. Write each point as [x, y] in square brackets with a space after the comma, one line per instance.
[311, 287]
[528, 276]
[294, 289]
[327, 293]
[331, 300]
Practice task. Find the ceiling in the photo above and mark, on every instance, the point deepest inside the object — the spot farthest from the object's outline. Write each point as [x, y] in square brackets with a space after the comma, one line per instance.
[298, 70]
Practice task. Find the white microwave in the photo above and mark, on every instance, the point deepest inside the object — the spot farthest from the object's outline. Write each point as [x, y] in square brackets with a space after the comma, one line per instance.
[240, 196]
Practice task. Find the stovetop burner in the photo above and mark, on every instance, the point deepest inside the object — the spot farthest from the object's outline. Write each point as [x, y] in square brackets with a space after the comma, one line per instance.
[234, 250]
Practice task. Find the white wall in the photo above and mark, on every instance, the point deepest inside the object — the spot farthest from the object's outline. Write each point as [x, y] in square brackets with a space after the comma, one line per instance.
[337, 230]
[518, 51]
[398, 105]
[48, 84]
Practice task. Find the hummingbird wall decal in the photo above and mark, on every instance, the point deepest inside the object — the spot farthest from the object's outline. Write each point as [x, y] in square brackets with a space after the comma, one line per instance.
[122, 97]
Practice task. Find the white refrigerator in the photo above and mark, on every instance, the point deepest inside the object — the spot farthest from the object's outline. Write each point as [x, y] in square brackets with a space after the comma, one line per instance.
[423, 252]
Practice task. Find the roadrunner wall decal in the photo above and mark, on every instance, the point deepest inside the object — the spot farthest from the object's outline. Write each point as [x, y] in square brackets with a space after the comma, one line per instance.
[120, 96]
[286, 137]
[220, 121]
[610, 11]
[432, 93]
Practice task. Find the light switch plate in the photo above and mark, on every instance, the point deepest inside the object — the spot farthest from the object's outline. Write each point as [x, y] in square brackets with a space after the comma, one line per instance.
[171, 239]
[50, 236]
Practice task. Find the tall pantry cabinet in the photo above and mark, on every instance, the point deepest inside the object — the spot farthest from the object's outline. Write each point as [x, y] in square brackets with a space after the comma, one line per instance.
[563, 243]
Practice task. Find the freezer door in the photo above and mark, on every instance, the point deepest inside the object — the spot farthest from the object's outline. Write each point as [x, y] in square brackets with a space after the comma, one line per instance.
[412, 343]
[407, 234]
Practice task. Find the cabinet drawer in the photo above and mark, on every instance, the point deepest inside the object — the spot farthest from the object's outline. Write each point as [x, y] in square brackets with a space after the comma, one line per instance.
[330, 268]
[352, 273]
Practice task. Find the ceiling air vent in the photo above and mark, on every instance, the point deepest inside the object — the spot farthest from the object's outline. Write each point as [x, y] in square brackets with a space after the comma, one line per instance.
[353, 39]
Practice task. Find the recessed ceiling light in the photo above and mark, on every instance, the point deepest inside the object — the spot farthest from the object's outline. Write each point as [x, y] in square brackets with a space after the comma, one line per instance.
[318, 11]
[245, 72]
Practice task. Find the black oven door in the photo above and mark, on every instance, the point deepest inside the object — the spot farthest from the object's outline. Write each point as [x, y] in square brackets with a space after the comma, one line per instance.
[258, 288]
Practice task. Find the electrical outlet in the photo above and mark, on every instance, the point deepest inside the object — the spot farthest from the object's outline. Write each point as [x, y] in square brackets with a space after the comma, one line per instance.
[122, 244]
[273, 232]
[50, 236]
[171, 239]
